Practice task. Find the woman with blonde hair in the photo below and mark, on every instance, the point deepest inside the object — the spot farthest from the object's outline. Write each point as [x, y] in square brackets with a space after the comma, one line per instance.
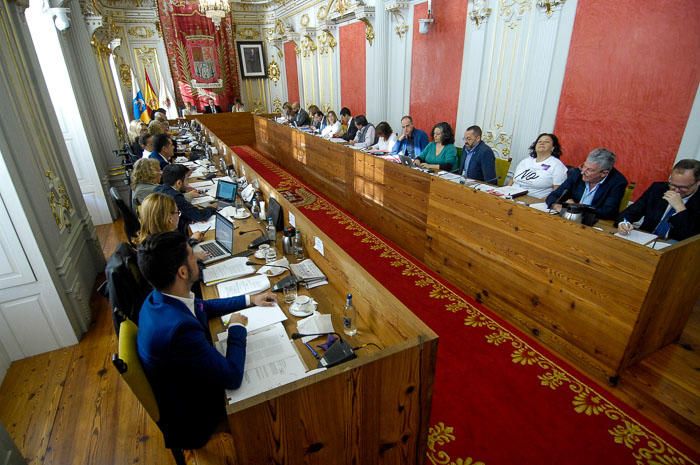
[137, 128]
[144, 178]
[332, 126]
[159, 213]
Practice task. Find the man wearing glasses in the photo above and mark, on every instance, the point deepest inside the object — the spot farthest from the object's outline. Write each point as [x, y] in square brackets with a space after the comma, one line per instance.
[671, 210]
[596, 183]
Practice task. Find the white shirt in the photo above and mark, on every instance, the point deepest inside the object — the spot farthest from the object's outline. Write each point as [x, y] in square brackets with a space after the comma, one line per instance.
[539, 178]
[329, 130]
[385, 145]
[368, 139]
[146, 154]
[189, 302]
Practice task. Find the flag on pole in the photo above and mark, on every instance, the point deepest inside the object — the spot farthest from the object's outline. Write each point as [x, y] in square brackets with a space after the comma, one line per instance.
[139, 104]
[166, 100]
[149, 94]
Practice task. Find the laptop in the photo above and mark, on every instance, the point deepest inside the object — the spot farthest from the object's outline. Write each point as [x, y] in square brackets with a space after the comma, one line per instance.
[226, 193]
[408, 161]
[222, 245]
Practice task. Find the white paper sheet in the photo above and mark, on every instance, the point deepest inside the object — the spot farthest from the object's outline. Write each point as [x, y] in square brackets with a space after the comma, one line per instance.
[201, 184]
[640, 237]
[202, 200]
[316, 323]
[252, 285]
[259, 317]
[203, 225]
[227, 269]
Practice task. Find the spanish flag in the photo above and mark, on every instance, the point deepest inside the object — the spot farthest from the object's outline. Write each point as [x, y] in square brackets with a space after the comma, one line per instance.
[149, 95]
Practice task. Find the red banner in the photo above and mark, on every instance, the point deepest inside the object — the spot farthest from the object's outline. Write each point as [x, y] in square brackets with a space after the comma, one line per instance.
[202, 58]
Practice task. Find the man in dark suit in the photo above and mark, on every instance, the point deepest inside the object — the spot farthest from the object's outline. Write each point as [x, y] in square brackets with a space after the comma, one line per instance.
[596, 183]
[187, 374]
[300, 117]
[478, 161]
[163, 150]
[212, 107]
[174, 183]
[347, 120]
[671, 210]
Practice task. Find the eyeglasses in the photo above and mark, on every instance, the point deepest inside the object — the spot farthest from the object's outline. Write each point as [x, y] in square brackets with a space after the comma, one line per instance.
[680, 188]
[589, 170]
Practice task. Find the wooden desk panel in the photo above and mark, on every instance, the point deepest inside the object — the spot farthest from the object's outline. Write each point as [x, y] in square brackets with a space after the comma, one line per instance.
[591, 297]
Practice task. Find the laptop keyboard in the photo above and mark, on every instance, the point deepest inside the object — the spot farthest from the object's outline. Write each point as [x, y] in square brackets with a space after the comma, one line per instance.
[213, 249]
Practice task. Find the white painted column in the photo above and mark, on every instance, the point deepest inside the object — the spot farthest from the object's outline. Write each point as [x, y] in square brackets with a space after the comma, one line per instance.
[690, 144]
[377, 66]
[398, 59]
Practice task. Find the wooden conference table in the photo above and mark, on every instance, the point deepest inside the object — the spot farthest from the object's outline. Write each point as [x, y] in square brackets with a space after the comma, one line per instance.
[371, 410]
[599, 301]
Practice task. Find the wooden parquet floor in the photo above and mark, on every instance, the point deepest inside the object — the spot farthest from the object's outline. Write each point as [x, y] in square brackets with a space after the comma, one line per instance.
[70, 406]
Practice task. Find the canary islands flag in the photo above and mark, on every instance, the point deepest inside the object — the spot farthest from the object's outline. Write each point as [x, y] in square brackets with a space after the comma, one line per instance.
[140, 108]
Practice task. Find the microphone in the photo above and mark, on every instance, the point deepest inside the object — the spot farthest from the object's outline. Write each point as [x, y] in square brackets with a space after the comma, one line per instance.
[262, 239]
[564, 192]
[339, 352]
[240, 233]
[266, 264]
[300, 335]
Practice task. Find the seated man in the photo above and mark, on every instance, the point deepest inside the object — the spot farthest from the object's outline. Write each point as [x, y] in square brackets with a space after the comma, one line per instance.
[174, 183]
[365, 133]
[412, 141]
[596, 183]
[299, 116]
[146, 143]
[478, 161]
[211, 107]
[671, 210]
[187, 374]
[348, 121]
[163, 150]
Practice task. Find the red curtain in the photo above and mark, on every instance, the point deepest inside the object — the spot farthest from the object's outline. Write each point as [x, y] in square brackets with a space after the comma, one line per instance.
[198, 51]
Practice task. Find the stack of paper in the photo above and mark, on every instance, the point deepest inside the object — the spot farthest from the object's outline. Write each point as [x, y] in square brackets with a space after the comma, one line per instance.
[201, 184]
[507, 191]
[203, 225]
[252, 285]
[227, 269]
[308, 273]
[640, 237]
[202, 200]
[258, 317]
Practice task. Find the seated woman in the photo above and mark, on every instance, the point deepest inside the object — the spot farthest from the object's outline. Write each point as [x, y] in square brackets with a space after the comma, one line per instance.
[137, 128]
[541, 172]
[159, 213]
[144, 178]
[387, 138]
[332, 125]
[237, 106]
[365, 133]
[441, 153]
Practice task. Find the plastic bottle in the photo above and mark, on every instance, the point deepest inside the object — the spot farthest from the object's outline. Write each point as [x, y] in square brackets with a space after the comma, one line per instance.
[271, 232]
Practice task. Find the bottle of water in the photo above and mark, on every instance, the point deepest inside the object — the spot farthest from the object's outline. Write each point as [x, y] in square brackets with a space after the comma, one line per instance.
[298, 246]
[271, 232]
[255, 207]
[349, 327]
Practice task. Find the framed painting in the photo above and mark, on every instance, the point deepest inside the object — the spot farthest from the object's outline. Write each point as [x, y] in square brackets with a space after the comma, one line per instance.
[251, 58]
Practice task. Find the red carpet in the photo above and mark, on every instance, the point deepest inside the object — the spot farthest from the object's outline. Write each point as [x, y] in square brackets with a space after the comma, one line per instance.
[499, 397]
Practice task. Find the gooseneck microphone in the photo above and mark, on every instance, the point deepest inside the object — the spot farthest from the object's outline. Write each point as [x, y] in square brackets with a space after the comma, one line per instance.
[249, 263]
[300, 335]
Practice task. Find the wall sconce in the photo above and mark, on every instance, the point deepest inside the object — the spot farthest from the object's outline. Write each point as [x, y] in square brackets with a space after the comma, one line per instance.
[425, 23]
[60, 18]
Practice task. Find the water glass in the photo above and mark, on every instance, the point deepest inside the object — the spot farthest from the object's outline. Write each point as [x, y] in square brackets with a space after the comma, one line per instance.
[290, 292]
[271, 255]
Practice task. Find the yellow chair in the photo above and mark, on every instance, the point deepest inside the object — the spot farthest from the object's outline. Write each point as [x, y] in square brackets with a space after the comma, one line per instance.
[502, 167]
[627, 195]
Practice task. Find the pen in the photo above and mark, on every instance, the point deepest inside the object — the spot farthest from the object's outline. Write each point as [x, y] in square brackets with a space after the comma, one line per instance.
[313, 352]
[205, 231]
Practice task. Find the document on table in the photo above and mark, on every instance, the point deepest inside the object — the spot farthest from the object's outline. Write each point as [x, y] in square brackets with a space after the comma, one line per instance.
[454, 177]
[202, 200]
[252, 285]
[203, 225]
[542, 206]
[271, 361]
[258, 317]
[201, 184]
[227, 269]
[309, 273]
[314, 324]
[640, 237]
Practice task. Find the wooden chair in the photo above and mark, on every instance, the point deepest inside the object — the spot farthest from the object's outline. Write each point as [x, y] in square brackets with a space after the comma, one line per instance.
[627, 195]
[502, 167]
[219, 448]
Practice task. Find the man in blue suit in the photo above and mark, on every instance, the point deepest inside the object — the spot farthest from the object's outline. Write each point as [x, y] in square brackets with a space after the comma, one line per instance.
[478, 161]
[187, 374]
[596, 183]
[412, 141]
[163, 150]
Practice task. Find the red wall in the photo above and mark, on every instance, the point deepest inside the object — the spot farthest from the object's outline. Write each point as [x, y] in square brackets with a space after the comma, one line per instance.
[290, 65]
[353, 78]
[436, 63]
[630, 81]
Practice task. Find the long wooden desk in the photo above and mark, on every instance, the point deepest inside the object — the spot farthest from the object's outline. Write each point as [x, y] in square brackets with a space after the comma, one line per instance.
[601, 302]
[371, 410]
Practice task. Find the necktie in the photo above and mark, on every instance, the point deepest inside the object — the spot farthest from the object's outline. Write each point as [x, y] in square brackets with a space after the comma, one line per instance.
[664, 226]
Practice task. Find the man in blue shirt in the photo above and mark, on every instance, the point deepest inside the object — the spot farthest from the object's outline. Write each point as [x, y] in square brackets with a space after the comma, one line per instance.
[478, 161]
[412, 141]
[188, 375]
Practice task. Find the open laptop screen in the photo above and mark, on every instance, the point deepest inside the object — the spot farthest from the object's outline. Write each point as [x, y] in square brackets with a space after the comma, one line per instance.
[226, 190]
[224, 232]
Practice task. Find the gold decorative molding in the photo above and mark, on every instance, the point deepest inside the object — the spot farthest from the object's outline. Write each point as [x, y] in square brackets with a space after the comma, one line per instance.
[273, 71]
[146, 55]
[479, 12]
[550, 5]
[513, 10]
[125, 75]
[277, 105]
[304, 20]
[61, 206]
[159, 30]
[280, 30]
[369, 30]
[499, 140]
[326, 42]
[308, 47]
[248, 33]
[140, 32]
[280, 53]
